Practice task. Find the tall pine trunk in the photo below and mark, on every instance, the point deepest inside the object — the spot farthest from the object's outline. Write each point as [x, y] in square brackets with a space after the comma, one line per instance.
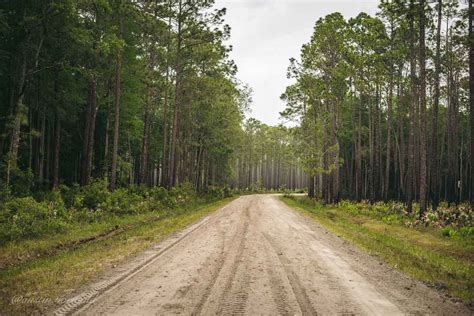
[389, 137]
[118, 94]
[435, 174]
[423, 132]
[471, 97]
[18, 109]
[174, 140]
[413, 104]
[57, 150]
[145, 144]
[89, 132]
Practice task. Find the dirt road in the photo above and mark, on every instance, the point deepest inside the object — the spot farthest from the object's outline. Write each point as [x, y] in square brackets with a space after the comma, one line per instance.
[258, 257]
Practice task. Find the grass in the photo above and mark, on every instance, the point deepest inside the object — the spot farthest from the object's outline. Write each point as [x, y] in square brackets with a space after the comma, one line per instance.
[56, 276]
[422, 252]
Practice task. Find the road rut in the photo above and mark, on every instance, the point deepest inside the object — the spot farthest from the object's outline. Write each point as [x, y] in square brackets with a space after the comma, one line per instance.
[256, 256]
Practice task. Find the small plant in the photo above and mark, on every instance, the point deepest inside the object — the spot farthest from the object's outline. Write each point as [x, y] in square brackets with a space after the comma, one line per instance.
[466, 231]
[448, 232]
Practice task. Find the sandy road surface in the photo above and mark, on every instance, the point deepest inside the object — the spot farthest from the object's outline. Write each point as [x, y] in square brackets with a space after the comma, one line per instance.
[258, 257]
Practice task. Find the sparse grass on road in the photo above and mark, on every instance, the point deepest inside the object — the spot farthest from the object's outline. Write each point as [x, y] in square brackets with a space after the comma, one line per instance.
[446, 263]
[52, 277]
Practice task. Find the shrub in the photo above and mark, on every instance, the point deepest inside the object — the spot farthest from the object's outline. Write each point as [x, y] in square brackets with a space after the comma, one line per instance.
[25, 218]
[5, 192]
[69, 193]
[466, 231]
[121, 202]
[92, 195]
[448, 232]
[455, 216]
[391, 219]
[21, 182]
[219, 192]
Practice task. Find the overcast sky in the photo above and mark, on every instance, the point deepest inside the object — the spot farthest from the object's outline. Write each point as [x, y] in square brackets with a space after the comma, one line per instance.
[265, 34]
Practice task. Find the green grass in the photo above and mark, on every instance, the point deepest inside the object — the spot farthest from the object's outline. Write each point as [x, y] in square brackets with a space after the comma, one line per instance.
[422, 252]
[58, 275]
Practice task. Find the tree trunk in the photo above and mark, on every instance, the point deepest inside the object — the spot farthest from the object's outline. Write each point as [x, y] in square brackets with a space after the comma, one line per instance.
[358, 176]
[89, 131]
[145, 145]
[371, 153]
[174, 140]
[423, 132]
[18, 109]
[40, 167]
[411, 140]
[106, 144]
[471, 97]
[389, 137]
[57, 149]
[434, 125]
[118, 94]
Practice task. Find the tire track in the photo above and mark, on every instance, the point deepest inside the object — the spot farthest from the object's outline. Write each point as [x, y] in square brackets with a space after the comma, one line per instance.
[235, 304]
[300, 293]
[279, 292]
[236, 244]
[215, 274]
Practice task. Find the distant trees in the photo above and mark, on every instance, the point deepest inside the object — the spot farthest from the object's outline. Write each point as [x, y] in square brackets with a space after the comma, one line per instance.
[129, 91]
[382, 104]
[265, 158]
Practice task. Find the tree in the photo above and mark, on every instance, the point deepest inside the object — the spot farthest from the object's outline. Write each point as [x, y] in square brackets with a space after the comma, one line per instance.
[386, 85]
[423, 126]
[118, 93]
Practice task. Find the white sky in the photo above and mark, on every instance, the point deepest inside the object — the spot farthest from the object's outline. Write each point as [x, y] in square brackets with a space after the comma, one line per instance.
[265, 34]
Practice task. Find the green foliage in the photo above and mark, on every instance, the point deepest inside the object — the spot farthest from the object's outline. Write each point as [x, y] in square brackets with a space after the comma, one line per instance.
[353, 95]
[21, 182]
[451, 220]
[466, 231]
[219, 192]
[448, 232]
[70, 51]
[25, 217]
[93, 195]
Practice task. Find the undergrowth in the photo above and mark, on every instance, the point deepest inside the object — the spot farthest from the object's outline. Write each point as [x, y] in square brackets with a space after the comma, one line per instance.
[57, 211]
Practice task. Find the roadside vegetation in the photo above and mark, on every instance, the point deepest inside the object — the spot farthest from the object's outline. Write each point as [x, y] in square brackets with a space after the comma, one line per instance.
[437, 249]
[56, 241]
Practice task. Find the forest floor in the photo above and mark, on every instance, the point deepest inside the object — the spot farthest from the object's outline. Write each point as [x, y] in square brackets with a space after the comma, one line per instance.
[257, 256]
[36, 274]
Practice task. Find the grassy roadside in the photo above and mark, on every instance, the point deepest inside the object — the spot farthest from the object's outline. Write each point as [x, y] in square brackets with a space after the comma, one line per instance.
[55, 276]
[423, 252]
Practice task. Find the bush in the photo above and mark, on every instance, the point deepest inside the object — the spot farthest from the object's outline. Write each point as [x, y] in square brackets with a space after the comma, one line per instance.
[69, 193]
[26, 218]
[448, 232]
[181, 194]
[455, 217]
[122, 202]
[92, 195]
[21, 182]
[391, 219]
[466, 231]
